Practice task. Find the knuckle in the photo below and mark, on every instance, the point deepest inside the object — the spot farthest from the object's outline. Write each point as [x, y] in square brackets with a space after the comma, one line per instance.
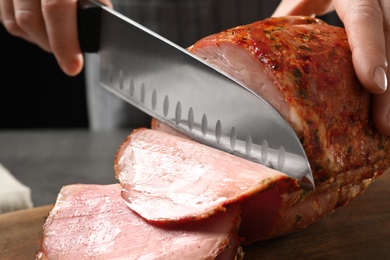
[363, 9]
[25, 18]
[48, 5]
[371, 49]
[12, 27]
[54, 5]
[361, 23]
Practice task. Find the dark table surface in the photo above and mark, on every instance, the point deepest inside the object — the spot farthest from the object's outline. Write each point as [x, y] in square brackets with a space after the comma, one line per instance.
[47, 160]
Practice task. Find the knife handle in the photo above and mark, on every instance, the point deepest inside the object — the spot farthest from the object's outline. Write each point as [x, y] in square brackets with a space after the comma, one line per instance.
[89, 13]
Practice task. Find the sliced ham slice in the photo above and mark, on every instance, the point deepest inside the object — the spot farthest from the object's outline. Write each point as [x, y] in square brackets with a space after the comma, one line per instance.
[172, 179]
[93, 222]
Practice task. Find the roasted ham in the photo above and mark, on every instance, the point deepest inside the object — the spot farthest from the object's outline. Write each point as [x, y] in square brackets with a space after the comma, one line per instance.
[171, 185]
[303, 67]
[93, 222]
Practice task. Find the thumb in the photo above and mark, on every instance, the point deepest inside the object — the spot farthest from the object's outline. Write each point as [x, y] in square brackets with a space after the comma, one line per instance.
[364, 24]
[367, 26]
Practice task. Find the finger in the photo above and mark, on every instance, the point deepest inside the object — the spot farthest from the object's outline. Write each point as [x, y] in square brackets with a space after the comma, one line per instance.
[303, 7]
[381, 103]
[29, 17]
[61, 23]
[9, 21]
[364, 24]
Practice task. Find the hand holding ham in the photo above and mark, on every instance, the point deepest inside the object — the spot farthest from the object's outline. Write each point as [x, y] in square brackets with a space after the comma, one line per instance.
[367, 23]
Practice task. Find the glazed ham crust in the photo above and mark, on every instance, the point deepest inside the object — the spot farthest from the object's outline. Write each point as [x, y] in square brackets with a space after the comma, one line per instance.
[306, 73]
[303, 67]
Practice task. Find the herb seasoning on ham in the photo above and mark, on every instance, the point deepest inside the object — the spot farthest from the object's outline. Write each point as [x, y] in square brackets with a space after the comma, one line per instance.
[306, 73]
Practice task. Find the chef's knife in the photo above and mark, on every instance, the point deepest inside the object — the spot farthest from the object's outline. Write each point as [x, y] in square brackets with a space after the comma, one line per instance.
[174, 86]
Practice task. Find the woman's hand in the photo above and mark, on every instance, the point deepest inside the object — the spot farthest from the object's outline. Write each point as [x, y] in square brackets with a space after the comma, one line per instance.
[51, 24]
[367, 23]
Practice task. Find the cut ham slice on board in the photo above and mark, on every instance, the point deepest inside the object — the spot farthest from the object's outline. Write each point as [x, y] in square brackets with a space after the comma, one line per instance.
[93, 222]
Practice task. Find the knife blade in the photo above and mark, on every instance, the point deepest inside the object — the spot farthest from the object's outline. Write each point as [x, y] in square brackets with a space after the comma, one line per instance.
[174, 86]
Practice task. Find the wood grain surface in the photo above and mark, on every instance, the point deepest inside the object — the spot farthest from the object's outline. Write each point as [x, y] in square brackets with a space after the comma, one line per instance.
[360, 230]
[21, 233]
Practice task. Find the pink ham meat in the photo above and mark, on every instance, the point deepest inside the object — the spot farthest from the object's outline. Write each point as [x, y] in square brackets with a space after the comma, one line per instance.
[93, 222]
[303, 67]
[172, 179]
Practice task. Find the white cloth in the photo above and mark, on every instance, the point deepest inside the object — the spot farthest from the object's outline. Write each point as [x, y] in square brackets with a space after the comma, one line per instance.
[14, 195]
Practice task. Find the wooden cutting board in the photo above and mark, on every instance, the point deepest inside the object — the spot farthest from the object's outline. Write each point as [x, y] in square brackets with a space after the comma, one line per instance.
[360, 230]
[20, 233]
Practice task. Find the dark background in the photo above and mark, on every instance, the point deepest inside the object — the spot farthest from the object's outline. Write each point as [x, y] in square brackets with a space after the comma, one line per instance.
[35, 93]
